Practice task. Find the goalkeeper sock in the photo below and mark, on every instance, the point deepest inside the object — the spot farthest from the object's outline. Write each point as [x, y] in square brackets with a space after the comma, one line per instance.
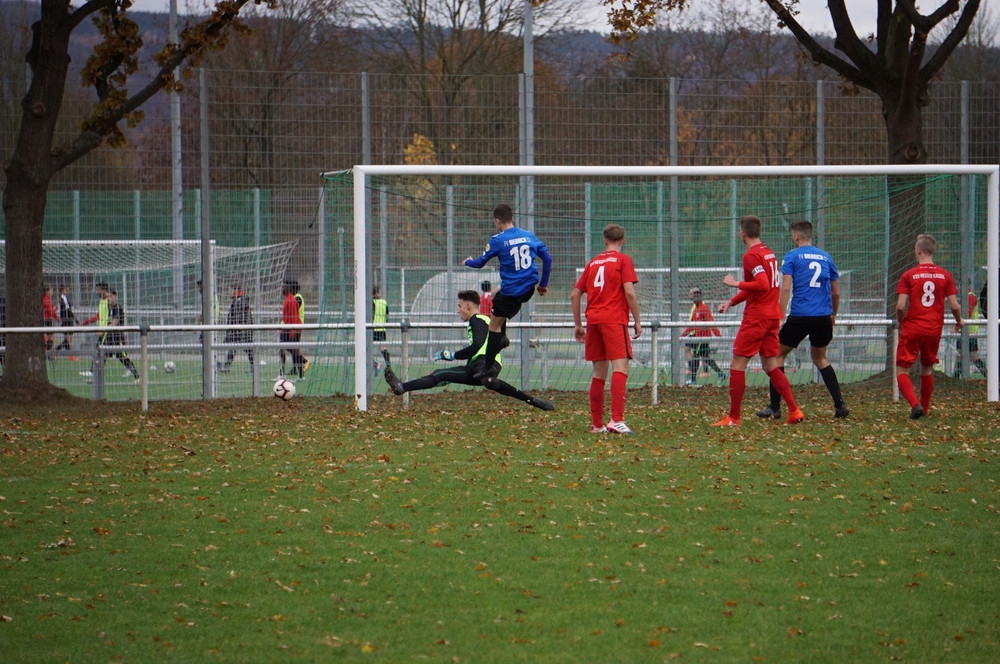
[906, 389]
[618, 381]
[597, 402]
[926, 390]
[737, 386]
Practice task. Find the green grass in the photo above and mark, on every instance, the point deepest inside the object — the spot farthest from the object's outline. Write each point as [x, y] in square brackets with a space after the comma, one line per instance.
[472, 528]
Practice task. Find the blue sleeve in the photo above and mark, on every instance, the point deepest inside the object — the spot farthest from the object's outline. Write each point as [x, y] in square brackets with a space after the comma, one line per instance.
[787, 266]
[488, 253]
[543, 253]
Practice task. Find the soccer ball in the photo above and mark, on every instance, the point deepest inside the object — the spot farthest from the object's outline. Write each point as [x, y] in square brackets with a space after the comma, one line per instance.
[284, 389]
[169, 366]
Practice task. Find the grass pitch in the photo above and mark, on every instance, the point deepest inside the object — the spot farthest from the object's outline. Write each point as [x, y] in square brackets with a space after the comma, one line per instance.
[472, 528]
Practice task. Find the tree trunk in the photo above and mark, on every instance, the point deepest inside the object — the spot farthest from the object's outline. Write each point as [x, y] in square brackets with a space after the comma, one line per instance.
[24, 207]
[29, 172]
[904, 127]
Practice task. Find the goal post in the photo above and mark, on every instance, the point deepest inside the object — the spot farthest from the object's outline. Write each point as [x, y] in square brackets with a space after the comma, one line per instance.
[516, 190]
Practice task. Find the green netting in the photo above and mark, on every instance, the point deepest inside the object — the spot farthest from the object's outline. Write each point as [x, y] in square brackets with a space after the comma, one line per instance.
[421, 229]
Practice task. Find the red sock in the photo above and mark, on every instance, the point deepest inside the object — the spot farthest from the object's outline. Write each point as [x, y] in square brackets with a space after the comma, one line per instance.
[597, 402]
[737, 386]
[926, 390]
[618, 380]
[780, 382]
[906, 389]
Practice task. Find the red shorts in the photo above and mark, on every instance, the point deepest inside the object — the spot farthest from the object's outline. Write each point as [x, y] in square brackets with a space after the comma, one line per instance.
[916, 343]
[607, 341]
[758, 336]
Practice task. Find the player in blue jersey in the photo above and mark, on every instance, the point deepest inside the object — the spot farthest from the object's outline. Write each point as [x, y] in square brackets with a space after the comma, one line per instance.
[809, 276]
[517, 250]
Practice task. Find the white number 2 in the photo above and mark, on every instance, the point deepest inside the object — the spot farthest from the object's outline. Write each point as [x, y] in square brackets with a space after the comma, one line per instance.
[927, 299]
[522, 257]
[817, 270]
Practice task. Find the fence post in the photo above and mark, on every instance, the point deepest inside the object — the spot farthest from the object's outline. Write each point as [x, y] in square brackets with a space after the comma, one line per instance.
[655, 361]
[144, 364]
[404, 328]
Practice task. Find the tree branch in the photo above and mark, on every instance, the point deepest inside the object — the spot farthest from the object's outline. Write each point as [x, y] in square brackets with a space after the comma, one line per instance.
[925, 23]
[819, 54]
[951, 42]
[194, 42]
[847, 39]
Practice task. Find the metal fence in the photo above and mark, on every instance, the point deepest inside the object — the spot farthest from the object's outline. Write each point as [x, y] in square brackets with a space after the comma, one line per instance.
[271, 134]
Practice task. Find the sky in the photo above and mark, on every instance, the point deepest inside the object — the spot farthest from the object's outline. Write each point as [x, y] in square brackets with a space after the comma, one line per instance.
[813, 13]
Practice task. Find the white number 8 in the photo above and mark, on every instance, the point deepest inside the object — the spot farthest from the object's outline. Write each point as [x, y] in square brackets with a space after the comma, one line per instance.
[927, 299]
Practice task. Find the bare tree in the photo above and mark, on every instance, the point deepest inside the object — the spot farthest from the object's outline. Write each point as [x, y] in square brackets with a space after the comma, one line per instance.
[112, 66]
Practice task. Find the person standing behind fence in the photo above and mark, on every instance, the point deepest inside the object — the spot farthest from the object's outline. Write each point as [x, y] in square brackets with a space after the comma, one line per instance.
[922, 291]
[974, 312]
[700, 352]
[608, 281]
[486, 299]
[50, 315]
[116, 318]
[290, 315]
[810, 278]
[101, 318]
[66, 317]
[239, 314]
[380, 314]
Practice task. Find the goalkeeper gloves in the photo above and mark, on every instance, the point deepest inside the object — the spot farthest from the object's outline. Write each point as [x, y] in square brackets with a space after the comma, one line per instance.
[445, 355]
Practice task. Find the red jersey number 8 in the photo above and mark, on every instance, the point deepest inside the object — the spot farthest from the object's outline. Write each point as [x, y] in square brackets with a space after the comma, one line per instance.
[927, 299]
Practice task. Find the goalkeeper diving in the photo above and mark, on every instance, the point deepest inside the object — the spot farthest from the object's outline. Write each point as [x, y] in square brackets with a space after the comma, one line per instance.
[474, 356]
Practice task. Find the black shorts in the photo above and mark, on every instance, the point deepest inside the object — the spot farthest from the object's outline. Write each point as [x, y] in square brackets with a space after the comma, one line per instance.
[819, 329]
[378, 335]
[508, 306]
[973, 345]
[289, 336]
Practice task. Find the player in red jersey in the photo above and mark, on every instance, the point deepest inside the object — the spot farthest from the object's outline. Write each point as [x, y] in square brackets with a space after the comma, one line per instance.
[758, 333]
[608, 281]
[922, 291]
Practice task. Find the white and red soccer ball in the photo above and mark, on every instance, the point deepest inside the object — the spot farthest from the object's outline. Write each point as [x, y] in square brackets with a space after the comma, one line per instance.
[284, 389]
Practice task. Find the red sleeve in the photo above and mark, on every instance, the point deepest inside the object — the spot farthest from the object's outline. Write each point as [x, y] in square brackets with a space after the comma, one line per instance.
[759, 284]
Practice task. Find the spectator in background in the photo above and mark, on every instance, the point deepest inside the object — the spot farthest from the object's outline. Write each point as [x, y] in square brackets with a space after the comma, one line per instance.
[486, 299]
[380, 314]
[50, 314]
[290, 315]
[101, 317]
[66, 317]
[973, 312]
[239, 314]
[700, 352]
[116, 318]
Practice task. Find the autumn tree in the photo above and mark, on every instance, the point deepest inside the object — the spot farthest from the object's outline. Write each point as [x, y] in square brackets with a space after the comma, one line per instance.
[111, 67]
[898, 62]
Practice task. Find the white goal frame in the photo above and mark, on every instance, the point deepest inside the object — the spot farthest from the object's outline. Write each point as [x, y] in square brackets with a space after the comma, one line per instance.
[363, 172]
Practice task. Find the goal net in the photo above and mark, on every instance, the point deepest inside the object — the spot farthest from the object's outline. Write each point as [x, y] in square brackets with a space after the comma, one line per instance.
[156, 284]
[414, 226]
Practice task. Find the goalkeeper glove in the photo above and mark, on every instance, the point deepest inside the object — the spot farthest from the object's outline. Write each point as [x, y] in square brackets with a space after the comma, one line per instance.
[445, 355]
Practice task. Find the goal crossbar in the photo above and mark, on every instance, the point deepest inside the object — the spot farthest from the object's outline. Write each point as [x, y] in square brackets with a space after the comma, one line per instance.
[361, 174]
